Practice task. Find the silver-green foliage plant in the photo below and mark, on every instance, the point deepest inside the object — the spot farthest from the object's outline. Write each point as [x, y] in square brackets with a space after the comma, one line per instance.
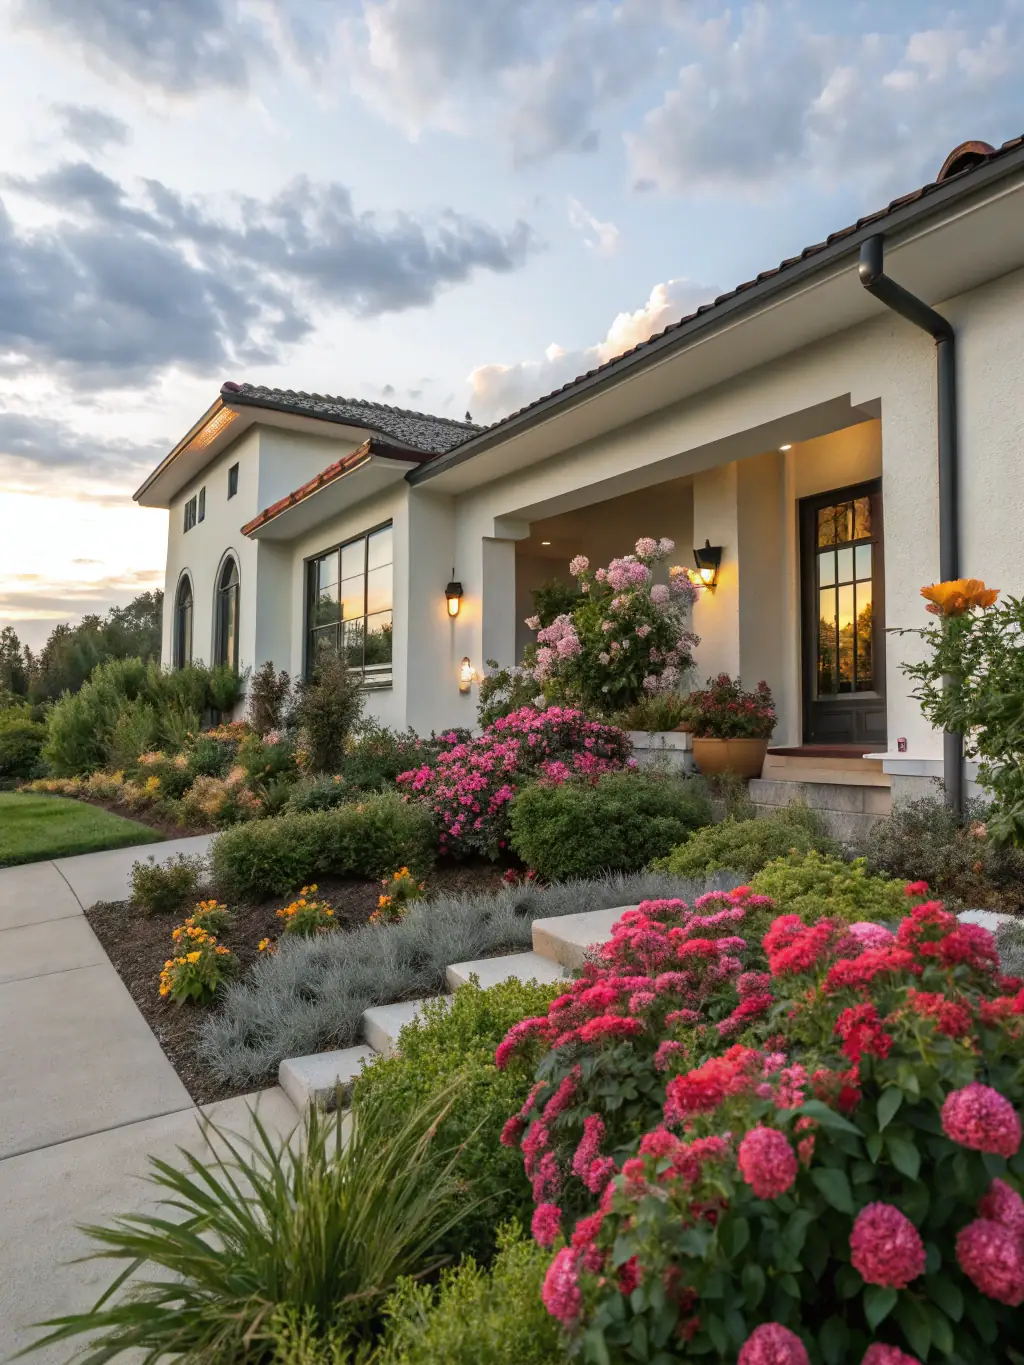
[272, 1243]
[312, 993]
[477, 1315]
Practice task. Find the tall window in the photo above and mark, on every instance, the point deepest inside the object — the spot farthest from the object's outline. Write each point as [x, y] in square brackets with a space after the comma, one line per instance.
[183, 623]
[232, 481]
[349, 611]
[226, 616]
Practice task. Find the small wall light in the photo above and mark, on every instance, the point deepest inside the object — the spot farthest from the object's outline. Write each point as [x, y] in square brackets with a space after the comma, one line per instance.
[786, 447]
[453, 596]
[466, 674]
[708, 561]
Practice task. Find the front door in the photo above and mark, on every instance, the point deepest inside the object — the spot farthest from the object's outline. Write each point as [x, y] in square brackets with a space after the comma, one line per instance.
[843, 617]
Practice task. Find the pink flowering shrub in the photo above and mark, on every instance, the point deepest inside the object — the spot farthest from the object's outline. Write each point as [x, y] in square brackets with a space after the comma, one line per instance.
[470, 786]
[628, 638]
[821, 1162]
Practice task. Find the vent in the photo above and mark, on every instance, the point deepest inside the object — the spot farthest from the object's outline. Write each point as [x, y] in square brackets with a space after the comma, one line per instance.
[964, 158]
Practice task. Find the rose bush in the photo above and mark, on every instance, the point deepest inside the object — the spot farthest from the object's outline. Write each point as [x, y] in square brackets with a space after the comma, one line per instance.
[627, 639]
[470, 787]
[815, 1163]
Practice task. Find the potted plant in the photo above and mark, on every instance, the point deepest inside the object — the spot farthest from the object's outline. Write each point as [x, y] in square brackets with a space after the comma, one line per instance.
[730, 727]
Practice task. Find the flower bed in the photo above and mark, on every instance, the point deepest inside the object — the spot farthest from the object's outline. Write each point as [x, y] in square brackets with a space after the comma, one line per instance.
[471, 786]
[818, 1161]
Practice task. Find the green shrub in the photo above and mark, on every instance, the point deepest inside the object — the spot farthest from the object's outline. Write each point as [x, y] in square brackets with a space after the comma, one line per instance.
[814, 886]
[453, 1046]
[318, 793]
[663, 711]
[378, 754]
[617, 824]
[207, 758]
[475, 1316]
[135, 732]
[21, 746]
[369, 838]
[327, 1226]
[926, 841]
[746, 845]
[161, 888]
[267, 759]
[326, 712]
[269, 695]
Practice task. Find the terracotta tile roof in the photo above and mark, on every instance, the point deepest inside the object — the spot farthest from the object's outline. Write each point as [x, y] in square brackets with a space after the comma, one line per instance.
[331, 474]
[969, 155]
[434, 435]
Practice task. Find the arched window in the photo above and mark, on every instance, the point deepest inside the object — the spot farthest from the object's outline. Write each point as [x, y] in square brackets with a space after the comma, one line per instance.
[183, 623]
[226, 615]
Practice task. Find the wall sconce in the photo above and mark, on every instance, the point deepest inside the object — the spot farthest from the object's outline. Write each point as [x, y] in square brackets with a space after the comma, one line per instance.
[466, 675]
[708, 561]
[453, 596]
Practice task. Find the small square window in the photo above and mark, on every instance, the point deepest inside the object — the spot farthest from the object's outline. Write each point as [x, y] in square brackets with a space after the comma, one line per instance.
[202, 503]
[190, 514]
[232, 481]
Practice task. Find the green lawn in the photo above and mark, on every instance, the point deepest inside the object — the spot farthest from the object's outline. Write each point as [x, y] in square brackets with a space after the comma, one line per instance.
[36, 827]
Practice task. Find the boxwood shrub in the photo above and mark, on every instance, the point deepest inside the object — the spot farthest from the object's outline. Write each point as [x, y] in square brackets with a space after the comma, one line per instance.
[454, 1043]
[746, 845]
[369, 838]
[617, 824]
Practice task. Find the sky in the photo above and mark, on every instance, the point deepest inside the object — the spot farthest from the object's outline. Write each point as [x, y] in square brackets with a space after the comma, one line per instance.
[449, 205]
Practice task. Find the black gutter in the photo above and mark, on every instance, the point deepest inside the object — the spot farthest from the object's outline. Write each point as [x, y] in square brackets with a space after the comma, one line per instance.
[874, 279]
[918, 208]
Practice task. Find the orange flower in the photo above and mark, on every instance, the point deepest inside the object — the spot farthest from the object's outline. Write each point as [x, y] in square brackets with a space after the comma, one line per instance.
[958, 595]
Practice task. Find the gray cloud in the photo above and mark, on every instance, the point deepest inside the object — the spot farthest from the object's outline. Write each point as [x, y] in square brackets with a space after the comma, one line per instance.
[47, 443]
[94, 130]
[761, 100]
[121, 288]
[181, 46]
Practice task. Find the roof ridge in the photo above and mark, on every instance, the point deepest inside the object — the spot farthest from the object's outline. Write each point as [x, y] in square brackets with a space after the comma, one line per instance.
[233, 387]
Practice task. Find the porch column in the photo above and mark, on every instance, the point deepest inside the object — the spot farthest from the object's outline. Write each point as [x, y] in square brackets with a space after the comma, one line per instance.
[498, 591]
[716, 616]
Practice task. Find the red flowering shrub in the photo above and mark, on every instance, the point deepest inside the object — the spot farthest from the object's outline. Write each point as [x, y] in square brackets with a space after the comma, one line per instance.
[470, 786]
[835, 1180]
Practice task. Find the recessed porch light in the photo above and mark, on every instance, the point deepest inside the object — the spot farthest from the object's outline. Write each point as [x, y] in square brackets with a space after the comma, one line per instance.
[545, 542]
[786, 447]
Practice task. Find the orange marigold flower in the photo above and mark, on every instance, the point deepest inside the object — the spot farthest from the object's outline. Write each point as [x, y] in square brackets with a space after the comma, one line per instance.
[958, 595]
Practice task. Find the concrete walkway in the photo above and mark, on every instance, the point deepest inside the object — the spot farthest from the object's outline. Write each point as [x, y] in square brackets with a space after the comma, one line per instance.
[86, 1093]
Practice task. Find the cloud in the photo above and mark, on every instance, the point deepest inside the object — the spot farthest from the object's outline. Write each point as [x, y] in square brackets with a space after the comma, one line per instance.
[120, 287]
[542, 71]
[497, 390]
[763, 99]
[602, 238]
[47, 443]
[94, 130]
[181, 46]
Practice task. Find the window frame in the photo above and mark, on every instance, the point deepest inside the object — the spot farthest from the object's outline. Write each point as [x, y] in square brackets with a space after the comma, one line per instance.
[178, 655]
[201, 510]
[220, 595]
[233, 481]
[189, 519]
[375, 681]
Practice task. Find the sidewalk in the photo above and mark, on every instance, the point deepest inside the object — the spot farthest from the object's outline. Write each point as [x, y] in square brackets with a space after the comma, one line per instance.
[86, 1093]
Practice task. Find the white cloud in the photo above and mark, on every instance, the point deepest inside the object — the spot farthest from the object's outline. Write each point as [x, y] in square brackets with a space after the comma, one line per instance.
[764, 98]
[602, 238]
[497, 390]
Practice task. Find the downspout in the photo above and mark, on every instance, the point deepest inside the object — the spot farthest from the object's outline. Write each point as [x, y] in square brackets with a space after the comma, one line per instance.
[900, 300]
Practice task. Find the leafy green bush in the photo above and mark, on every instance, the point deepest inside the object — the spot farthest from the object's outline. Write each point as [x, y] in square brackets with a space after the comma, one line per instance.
[268, 759]
[21, 746]
[318, 793]
[474, 1315]
[127, 704]
[160, 888]
[378, 754]
[814, 886]
[617, 824]
[746, 845]
[452, 1046]
[663, 711]
[326, 711]
[269, 696]
[368, 838]
[327, 1227]
[926, 841]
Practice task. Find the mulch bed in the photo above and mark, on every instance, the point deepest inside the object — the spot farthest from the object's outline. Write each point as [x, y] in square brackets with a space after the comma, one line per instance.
[139, 944]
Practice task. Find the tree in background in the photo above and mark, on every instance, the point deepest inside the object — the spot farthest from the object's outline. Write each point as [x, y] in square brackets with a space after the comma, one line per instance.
[13, 672]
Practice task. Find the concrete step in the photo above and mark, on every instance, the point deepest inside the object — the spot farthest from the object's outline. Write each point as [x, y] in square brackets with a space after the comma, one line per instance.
[566, 938]
[319, 1078]
[818, 770]
[383, 1023]
[492, 971]
[853, 799]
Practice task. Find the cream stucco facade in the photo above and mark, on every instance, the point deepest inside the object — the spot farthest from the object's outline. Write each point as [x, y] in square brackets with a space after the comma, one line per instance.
[716, 437]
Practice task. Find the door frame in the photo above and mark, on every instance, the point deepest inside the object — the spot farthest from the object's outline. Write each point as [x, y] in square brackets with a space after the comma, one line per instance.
[807, 542]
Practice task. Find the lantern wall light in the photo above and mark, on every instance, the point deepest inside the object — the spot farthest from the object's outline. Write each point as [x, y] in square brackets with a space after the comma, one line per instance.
[708, 561]
[453, 596]
[466, 675]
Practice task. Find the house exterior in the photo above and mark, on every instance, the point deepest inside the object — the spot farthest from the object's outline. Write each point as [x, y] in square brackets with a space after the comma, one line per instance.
[795, 422]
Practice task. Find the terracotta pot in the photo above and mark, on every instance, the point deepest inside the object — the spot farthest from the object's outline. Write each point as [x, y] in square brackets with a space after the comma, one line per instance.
[744, 757]
[684, 727]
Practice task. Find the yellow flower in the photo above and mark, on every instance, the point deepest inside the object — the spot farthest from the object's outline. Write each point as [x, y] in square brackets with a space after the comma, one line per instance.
[192, 957]
[957, 596]
[265, 946]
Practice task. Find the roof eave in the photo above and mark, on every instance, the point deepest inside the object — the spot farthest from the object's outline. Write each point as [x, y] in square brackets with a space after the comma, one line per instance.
[750, 299]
